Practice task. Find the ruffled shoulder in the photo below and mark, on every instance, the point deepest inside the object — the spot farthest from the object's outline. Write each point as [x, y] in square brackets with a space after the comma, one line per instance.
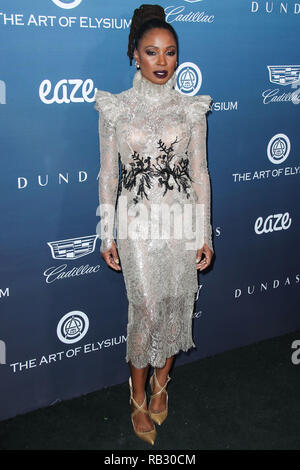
[197, 106]
[107, 104]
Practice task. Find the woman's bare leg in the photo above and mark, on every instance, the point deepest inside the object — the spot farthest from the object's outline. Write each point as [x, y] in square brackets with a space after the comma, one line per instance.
[159, 403]
[142, 421]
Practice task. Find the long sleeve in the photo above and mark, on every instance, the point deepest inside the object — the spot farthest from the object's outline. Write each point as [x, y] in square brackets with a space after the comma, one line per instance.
[196, 113]
[106, 104]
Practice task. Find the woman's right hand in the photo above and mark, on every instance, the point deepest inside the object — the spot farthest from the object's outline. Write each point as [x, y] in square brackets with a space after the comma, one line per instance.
[111, 257]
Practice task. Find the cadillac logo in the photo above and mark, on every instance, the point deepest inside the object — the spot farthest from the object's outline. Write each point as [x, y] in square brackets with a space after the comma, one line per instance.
[284, 74]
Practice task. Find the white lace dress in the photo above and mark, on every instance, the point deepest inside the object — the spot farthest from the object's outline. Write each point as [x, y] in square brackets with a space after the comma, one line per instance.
[153, 155]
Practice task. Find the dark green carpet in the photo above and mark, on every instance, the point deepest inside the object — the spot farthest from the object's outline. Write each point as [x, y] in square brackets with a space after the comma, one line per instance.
[247, 398]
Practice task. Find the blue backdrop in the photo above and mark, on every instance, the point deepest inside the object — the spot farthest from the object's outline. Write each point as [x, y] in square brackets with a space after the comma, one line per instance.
[63, 311]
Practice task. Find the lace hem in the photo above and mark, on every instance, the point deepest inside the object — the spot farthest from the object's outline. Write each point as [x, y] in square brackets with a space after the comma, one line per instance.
[160, 362]
[158, 329]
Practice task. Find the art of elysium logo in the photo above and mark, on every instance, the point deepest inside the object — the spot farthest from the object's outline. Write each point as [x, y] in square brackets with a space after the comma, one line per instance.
[72, 327]
[67, 5]
[189, 78]
[278, 148]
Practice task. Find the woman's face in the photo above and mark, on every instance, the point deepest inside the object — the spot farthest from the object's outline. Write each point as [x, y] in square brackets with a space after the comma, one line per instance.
[157, 52]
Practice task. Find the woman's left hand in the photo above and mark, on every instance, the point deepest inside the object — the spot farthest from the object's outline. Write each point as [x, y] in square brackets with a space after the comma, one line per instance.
[205, 262]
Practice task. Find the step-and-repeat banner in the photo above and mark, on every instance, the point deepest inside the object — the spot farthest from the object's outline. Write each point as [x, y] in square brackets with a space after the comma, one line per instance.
[63, 312]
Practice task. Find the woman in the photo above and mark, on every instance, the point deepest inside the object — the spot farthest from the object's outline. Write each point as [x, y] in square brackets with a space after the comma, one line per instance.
[159, 136]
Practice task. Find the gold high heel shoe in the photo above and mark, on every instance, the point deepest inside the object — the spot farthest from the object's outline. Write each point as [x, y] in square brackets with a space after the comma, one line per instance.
[148, 436]
[160, 416]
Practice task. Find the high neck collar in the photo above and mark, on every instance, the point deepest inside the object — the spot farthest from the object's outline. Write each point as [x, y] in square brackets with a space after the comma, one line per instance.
[153, 91]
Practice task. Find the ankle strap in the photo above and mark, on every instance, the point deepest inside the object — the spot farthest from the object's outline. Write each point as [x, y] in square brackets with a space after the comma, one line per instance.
[138, 407]
[157, 382]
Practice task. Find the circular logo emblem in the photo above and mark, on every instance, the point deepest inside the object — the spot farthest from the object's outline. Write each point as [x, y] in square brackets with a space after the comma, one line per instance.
[72, 327]
[67, 5]
[278, 148]
[189, 78]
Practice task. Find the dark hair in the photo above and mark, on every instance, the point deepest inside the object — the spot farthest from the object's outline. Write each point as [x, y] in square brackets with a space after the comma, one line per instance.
[144, 18]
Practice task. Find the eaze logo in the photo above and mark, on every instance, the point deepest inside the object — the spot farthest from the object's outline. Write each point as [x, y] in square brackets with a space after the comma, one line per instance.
[67, 91]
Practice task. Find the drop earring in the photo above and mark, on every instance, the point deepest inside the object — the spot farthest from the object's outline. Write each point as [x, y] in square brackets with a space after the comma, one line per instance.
[137, 66]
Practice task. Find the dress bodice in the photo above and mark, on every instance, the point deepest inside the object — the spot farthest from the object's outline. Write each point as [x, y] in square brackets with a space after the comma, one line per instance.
[158, 135]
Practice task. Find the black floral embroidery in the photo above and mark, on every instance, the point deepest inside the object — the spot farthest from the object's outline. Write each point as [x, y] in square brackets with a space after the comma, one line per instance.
[141, 173]
[141, 170]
